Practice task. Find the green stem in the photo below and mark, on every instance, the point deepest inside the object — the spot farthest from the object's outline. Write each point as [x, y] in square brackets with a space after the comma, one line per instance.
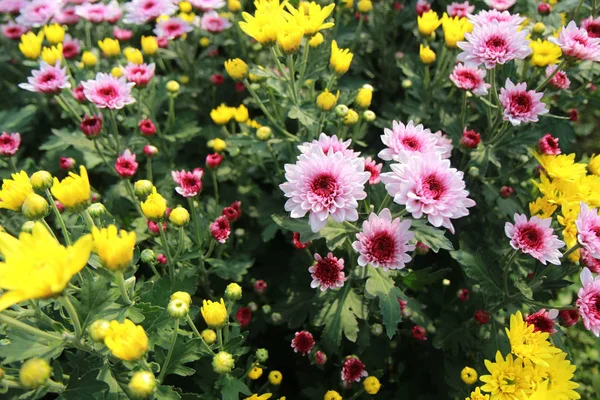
[215, 185]
[59, 217]
[507, 270]
[463, 110]
[571, 250]
[30, 330]
[357, 33]
[560, 66]
[577, 9]
[290, 62]
[304, 63]
[163, 370]
[194, 219]
[88, 36]
[133, 197]
[275, 161]
[13, 166]
[195, 330]
[123, 288]
[115, 129]
[165, 245]
[66, 303]
[220, 338]
[43, 221]
[149, 169]
[548, 306]
[89, 222]
[180, 244]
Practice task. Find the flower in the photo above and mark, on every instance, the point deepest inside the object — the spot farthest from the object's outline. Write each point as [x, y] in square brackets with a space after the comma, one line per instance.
[149, 45]
[542, 321]
[592, 26]
[31, 44]
[126, 340]
[482, 317]
[38, 12]
[255, 373]
[260, 286]
[323, 185]
[468, 375]
[222, 362]
[575, 42]
[340, 59]
[243, 316]
[486, 17]
[264, 396]
[9, 143]
[89, 59]
[561, 167]
[470, 139]
[568, 317]
[460, 9]
[427, 185]
[445, 143]
[316, 40]
[326, 100]
[209, 336]
[147, 127]
[426, 54]
[332, 395]
[12, 6]
[303, 342]
[470, 78]
[150, 150]
[48, 79]
[403, 141]
[371, 385]
[126, 166]
[275, 378]
[214, 313]
[139, 12]
[13, 31]
[312, 18]
[493, 44]
[73, 191]
[454, 29]
[589, 261]
[97, 13]
[505, 377]
[500, 5]
[106, 91]
[214, 160]
[34, 373]
[544, 53]
[70, 48]
[428, 22]
[110, 47]
[114, 248]
[207, 5]
[353, 370]
[374, 169]
[520, 104]
[220, 229]
[548, 145]
[54, 33]
[140, 74]
[155, 206]
[172, 28]
[142, 384]
[289, 36]
[237, 69]
[535, 237]
[477, 395]
[327, 272]
[297, 243]
[588, 230]
[189, 182]
[122, 34]
[241, 114]
[52, 55]
[262, 26]
[212, 22]
[328, 144]
[37, 266]
[526, 343]
[66, 163]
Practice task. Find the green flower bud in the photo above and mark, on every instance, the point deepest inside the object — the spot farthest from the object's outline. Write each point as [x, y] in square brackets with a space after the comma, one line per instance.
[276, 318]
[407, 84]
[41, 180]
[263, 133]
[27, 227]
[223, 362]
[142, 384]
[97, 210]
[35, 207]
[178, 308]
[369, 116]
[376, 329]
[148, 256]
[474, 172]
[262, 355]
[233, 291]
[341, 110]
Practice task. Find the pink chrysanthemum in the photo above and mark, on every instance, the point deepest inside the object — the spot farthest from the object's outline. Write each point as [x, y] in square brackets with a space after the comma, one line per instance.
[588, 229]
[445, 143]
[494, 44]
[575, 42]
[592, 26]
[470, 139]
[71, 47]
[91, 125]
[589, 300]
[543, 321]
[66, 16]
[587, 259]
[298, 243]
[470, 78]
[220, 229]
[520, 104]
[374, 169]
[422, 7]
[113, 12]
[455, 9]
[535, 237]
[207, 5]
[327, 272]
[560, 80]
[12, 6]
[548, 145]
[9, 144]
[383, 241]
[213, 22]
[13, 31]
[106, 91]
[189, 182]
[500, 5]
[48, 79]
[233, 212]
[139, 12]
[172, 28]
[94, 13]
[38, 12]
[486, 17]
[329, 144]
[122, 34]
[353, 370]
[403, 141]
[126, 165]
[324, 184]
[78, 94]
[303, 342]
[429, 186]
[140, 74]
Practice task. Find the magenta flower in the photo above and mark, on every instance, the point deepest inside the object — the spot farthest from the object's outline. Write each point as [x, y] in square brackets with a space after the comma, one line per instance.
[543, 321]
[587, 259]
[107, 91]
[139, 12]
[93, 12]
[403, 141]
[459, 9]
[353, 370]
[71, 47]
[445, 143]
[429, 186]
[78, 94]
[324, 184]
[520, 104]
[38, 12]
[329, 144]
[214, 160]
[126, 165]
[588, 230]
[470, 78]
[122, 34]
[560, 80]
[220, 229]
[383, 242]
[500, 5]
[12, 6]
[213, 23]
[91, 125]
[207, 5]
[535, 237]
[303, 342]
[9, 144]
[172, 28]
[189, 182]
[576, 42]
[486, 17]
[66, 16]
[422, 7]
[592, 26]
[13, 31]
[327, 272]
[549, 145]
[48, 79]
[374, 169]
[140, 74]
[494, 44]
[470, 139]
[588, 300]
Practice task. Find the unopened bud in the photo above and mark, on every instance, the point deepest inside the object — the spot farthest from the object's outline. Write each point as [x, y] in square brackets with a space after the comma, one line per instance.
[98, 330]
[369, 116]
[35, 207]
[142, 384]
[262, 355]
[27, 227]
[97, 210]
[41, 180]
[142, 188]
[407, 84]
[178, 308]
[341, 110]
[233, 291]
[34, 373]
[376, 329]
[148, 256]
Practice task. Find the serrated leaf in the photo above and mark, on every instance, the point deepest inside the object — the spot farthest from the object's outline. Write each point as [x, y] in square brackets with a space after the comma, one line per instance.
[185, 351]
[338, 317]
[232, 387]
[301, 115]
[299, 225]
[115, 391]
[524, 289]
[335, 233]
[166, 393]
[85, 387]
[96, 300]
[433, 237]
[17, 120]
[474, 267]
[381, 285]
[231, 269]
[19, 346]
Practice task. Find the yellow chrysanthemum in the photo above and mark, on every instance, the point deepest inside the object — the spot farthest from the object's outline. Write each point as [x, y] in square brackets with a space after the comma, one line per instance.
[237, 69]
[52, 55]
[54, 33]
[255, 373]
[455, 29]
[506, 380]
[542, 208]
[37, 266]
[340, 59]
[289, 36]
[558, 375]
[110, 47]
[264, 396]
[527, 344]
[426, 54]
[222, 114]
[149, 45]
[594, 164]
[477, 395]
[133, 55]
[115, 248]
[313, 19]
[371, 385]
[155, 206]
[241, 114]
[326, 100]
[74, 191]
[214, 313]
[15, 191]
[562, 166]
[126, 341]
[544, 53]
[428, 22]
[263, 25]
[31, 44]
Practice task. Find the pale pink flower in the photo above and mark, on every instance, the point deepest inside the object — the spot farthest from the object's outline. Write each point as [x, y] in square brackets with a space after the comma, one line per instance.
[589, 261]
[213, 23]
[560, 80]
[94, 13]
[500, 5]
[486, 17]
[427, 185]
[588, 301]
[470, 78]
[445, 142]
[576, 42]
[207, 5]
[549, 145]
[456, 9]
[48, 79]
[9, 144]
[592, 26]
[329, 144]
[520, 104]
[374, 169]
[403, 141]
[38, 12]
[327, 272]
[303, 342]
[588, 229]
[189, 182]
[383, 241]
[113, 12]
[13, 31]
[71, 47]
[494, 44]
[141, 11]
[66, 16]
[107, 91]
[535, 237]
[12, 6]
[422, 7]
[324, 184]
[543, 321]
[220, 229]
[353, 370]
[122, 34]
[172, 28]
[140, 74]
[126, 165]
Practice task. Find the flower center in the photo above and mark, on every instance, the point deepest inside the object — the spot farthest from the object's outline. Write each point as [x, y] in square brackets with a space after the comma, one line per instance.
[496, 43]
[593, 30]
[469, 79]
[327, 271]
[411, 143]
[47, 77]
[596, 230]
[580, 39]
[189, 182]
[149, 4]
[541, 323]
[324, 185]
[596, 303]
[432, 187]
[521, 103]
[531, 237]
[108, 91]
[382, 247]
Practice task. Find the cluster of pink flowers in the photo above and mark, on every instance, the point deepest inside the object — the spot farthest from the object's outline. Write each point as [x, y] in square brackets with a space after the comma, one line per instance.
[535, 237]
[139, 12]
[220, 229]
[172, 28]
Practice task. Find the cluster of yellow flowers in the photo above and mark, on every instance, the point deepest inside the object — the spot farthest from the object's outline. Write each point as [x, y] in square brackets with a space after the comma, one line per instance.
[563, 185]
[223, 114]
[454, 29]
[534, 370]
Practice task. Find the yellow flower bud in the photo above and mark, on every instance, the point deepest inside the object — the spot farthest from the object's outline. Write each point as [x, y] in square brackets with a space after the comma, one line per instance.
[114, 248]
[54, 33]
[348, 3]
[219, 145]
[183, 296]
[326, 100]
[351, 118]
[179, 217]
[149, 45]
[364, 96]
[371, 385]
[142, 188]
[214, 313]
[241, 114]
[369, 116]
[332, 395]
[142, 384]
[98, 330]
[133, 55]
[89, 59]
[126, 341]
[594, 165]
[255, 373]
[41, 180]
[316, 40]
[427, 55]
[237, 69]
[110, 47]
[428, 22]
[185, 7]
[539, 28]
[35, 207]
[233, 291]
[31, 44]
[234, 5]
[155, 206]
[187, 17]
[275, 377]
[117, 72]
[204, 42]
[364, 6]
[173, 86]
[263, 133]
[289, 36]
[468, 375]
[53, 54]
[178, 308]
[34, 373]
[222, 362]
[184, 79]
[340, 59]
[209, 336]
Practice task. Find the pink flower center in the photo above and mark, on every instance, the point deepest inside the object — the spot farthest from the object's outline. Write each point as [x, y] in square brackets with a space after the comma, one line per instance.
[108, 92]
[580, 39]
[138, 71]
[432, 187]
[6, 141]
[148, 5]
[382, 247]
[324, 185]
[411, 143]
[327, 271]
[531, 237]
[597, 303]
[593, 30]
[469, 79]
[47, 77]
[541, 323]
[596, 230]
[172, 28]
[520, 103]
[189, 182]
[496, 43]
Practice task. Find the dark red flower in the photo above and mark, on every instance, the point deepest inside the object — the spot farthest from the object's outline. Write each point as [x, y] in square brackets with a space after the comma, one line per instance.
[353, 370]
[260, 286]
[147, 127]
[233, 212]
[303, 342]
[573, 114]
[543, 8]
[482, 317]
[161, 259]
[78, 94]
[66, 163]
[470, 139]
[541, 321]
[91, 125]
[297, 243]
[463, 295]
[422, 248]
[506, 192]
[214, 160]
[217, 79]
[549, 145]
[220, 229]
[419, 333]
[239, 87]
[568, 317]
[243, 316]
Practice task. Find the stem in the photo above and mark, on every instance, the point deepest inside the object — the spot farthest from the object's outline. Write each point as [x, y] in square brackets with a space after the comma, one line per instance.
[66, 303]
[577, 9]
[357, 33]
[149, 169]
[165, 245]
[88, 36]
[194, 219]
[304, 63]
[277, 167]
[13, 166]
[180, 244]
[571, 250]
[43, 221]
[163, 370]
[67, 107]
[123, 289]
[59, 217]
[290, 61]
[560, 66]
[216, 185]
[23, 327]
[115, 128]
[195, 330]
[101, 154]
[507, 269]
[89, 222]
[220, 338]
[548, 306]
[463, 110]
[133, 197]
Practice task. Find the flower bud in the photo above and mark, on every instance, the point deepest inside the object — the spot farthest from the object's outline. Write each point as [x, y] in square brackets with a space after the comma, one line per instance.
[142, 188]
[369, 116]
[252, 306]
[364, 6]
[262, 355]
[178, 308]
[543, 8]
[474, 172]
[320, 358]
[237, 69]
[35, 207]
[34, 373]
[263, 133]
[407, 84]
[341, 110]
[91, 125]
[376, 329]
[222, 362]
[1, 374]
[506, 192]
[233, 291]
[214, 160]
[98, 330]
[260, 286]
[179, 217]
[142, 384]
[219, 145]
[446, 282]
[209, 336]
[150, 151]
[173, 86]
[316, 40]
[97, 210]
[266, 309]
[147, 127]
[239, 232]
[27, 227]
[41, 180]
[422, 248]
[183, 296]
[276, 318]
[326, 100]
[364, 97]
[66, 163]
[351, 117]
[117, 72]
[539, 28]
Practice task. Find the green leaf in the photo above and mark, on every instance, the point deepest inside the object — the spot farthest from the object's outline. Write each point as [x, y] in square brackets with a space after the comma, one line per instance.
[296, 225]
[232, 387]
[335, 233]
[115, 391]
[97, 300]
[420, 278]
[166, 393]
[476, 269]
[524, 289]
[17, 120]
[301, 115]
[19, 346]
[338, 317]
[185, 351]
[381, 285]
[85, 387]
[231, 269]
[433, 237]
